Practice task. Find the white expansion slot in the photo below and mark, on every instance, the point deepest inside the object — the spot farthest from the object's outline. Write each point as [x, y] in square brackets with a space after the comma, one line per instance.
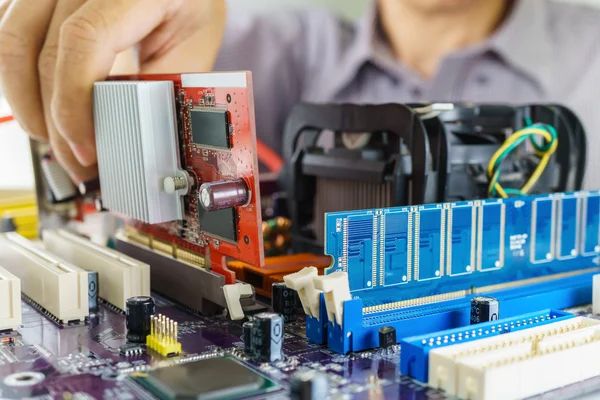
[55, 285]
[444, 362]
[119, 277]
[10, 300]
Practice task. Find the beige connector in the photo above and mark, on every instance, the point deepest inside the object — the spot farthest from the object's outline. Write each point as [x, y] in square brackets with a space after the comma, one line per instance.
[57, 286]
[10, 300]
[119, 277]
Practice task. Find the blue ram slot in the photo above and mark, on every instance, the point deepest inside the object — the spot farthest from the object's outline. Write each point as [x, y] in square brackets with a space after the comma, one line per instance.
[360, 331]
[414, 356]
[591, 225]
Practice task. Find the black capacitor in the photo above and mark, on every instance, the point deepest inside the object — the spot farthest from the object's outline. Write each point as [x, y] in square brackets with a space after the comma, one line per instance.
[93, 305]
[285, 301]
[387, 336]
[247, 338]
[484, 309]
[267, 337]
[139, 311]
[309, 385]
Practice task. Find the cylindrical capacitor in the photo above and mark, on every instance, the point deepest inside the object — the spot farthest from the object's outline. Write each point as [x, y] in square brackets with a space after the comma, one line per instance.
[309, 385]
[484, 309]
[223, 194]
[267, 337]
[139, 311]
[247, 338]
[93, 291]
[285, 301]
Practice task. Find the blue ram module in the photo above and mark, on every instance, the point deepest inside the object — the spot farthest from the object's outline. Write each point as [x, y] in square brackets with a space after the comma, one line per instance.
[414, 356]
[416, 268]
[445, 251]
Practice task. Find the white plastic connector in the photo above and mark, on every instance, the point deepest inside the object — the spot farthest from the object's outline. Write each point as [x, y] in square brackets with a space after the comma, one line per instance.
[446, 364]
[120, 277]
[443, 362]
[233, 294]
[336, 288]
[57, 286]
[596, 294]
[550, 364]
[10, 300]
[303, 283]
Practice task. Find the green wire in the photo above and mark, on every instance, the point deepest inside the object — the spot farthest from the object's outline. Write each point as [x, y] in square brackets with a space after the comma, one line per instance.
[542, 148]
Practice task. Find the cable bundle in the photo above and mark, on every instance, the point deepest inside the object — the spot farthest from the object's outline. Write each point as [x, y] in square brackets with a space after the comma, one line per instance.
[544, 151]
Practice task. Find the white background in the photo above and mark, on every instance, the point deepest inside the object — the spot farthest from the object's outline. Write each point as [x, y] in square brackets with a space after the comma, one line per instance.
[15, 170]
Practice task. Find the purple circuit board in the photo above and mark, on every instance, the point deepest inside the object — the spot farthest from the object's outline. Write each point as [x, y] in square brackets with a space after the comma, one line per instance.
[83, 361]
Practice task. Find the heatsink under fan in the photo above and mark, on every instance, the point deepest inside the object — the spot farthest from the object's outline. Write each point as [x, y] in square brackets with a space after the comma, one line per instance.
[137, 144]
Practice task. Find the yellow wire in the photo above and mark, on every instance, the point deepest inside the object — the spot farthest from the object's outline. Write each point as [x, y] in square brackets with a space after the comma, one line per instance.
[535, 176]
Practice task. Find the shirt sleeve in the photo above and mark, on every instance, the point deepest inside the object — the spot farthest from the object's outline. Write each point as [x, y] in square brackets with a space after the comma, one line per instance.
[272, 47]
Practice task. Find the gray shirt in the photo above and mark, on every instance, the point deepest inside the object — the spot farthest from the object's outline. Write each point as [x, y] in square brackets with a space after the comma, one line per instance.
[544, 51]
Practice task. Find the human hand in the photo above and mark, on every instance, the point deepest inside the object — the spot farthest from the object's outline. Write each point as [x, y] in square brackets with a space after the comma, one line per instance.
[52, 52]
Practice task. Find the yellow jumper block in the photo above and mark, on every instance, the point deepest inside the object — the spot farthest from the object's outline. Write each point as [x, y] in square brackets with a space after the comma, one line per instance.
[163, 336]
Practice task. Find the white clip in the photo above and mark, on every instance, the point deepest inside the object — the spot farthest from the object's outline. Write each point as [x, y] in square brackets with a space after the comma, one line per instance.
[233, 293]
[596, 294]
[336, 288]
[303, 282]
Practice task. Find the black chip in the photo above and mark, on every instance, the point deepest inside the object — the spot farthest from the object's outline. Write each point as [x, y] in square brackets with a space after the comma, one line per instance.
[210, 127]
[131, 349]
[214, 378]
[220, 223]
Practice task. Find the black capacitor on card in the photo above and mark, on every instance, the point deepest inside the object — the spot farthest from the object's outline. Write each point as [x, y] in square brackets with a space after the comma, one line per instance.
[484, 309]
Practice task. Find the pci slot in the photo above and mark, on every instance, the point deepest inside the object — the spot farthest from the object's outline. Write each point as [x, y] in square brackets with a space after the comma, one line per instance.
[59, 288]
[416, 349]
[445, 364]
[532, 367]
[10, 300]
[120, 277]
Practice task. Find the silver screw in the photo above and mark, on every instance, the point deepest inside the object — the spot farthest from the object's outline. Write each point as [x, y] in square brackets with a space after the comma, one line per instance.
[172, 184]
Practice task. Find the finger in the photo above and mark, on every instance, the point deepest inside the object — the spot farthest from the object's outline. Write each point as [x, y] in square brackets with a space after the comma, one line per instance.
[3, 7]
[89, 43]
[22, 29]
[47, 68]
[201, 35]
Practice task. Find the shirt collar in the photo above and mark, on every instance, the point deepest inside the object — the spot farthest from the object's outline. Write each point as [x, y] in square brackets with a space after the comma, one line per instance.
[522, 41]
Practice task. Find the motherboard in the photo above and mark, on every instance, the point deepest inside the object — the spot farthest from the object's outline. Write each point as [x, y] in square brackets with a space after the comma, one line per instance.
[173, 298]
[47, 361]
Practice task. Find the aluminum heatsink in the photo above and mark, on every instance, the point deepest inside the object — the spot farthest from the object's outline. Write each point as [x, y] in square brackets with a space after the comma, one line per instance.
[137, 144]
